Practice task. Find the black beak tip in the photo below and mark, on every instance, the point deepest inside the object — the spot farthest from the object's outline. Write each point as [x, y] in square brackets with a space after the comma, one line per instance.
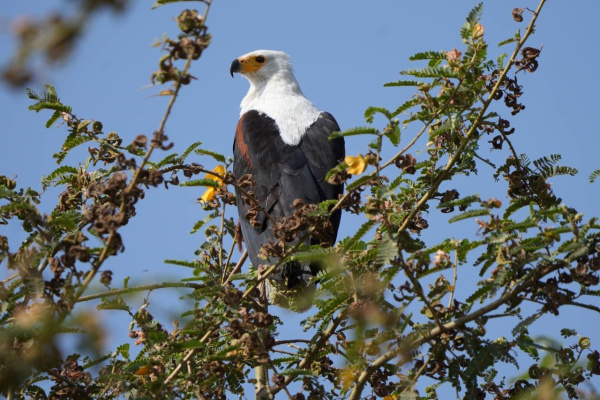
[236, 66]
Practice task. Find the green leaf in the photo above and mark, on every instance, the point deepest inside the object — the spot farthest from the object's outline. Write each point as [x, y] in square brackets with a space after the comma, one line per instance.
[472, 18]
[187, 152]
[403, 83]
[327, 309]
[296, 372]
[366, 227]
[32, 95]
[115, 304]
[449, 125]
[202, 182]
[361, 130]
[59, 176]
[358, 182]
[124, 350]
[201, 223]
[475, 14]
[96, 361]
[387, 250]
[67, 220]
[315, 253]
[53, 119]
[51, 91]
[465, 201]
[217, 156]
[163, 2]
[405, 106]
[513, 39]
[69, 145]
[191, 344]
[480, 293]
[394, 135]
[515, 206]
[528, 346]
[170, 159]
[522, 326]
[470, 214]
[431, 72]
[594, 175]
[371, 111]
[519, 226]
[428, 55]
[181, 263]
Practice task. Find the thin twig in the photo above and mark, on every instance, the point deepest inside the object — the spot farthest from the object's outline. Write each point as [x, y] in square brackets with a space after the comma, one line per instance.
[454, 279]
[237, 268]
[226, 265]
[143, 288]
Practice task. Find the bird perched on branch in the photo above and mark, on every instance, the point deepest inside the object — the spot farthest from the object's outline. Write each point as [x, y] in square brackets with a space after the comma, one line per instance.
[282, 143]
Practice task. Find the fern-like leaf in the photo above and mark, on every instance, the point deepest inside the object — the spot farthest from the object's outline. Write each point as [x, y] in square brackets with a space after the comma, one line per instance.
[68, 145]
[58, 176]
[470, 214]
[187, 152]
[327, 309]
[465, 201]
[431, 72]
[405, 106]
[171, 159]
[181, 263]
[361, 130]
[594, 175]
[217, 156]
[349, 244]
[428, 55]
[358, 182]
[480, 293]
[522, 326]
[403, 83]
[371, 111]
[386, 250]
[202, 182]
[475, 14]
[163, 2]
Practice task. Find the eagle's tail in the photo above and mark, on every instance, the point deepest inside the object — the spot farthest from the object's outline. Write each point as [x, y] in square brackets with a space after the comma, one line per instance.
[293, 287]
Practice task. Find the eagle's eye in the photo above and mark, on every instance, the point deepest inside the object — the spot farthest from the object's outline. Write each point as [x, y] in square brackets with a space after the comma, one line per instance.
[260, 59]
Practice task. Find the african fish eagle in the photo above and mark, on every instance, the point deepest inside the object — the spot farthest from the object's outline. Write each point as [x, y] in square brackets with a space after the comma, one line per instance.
[282, 140]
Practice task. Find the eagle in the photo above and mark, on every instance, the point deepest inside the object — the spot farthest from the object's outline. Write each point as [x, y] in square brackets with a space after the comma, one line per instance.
[282, 142]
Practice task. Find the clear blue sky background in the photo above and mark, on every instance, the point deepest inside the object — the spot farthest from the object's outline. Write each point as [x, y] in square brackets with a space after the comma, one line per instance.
[343, 53]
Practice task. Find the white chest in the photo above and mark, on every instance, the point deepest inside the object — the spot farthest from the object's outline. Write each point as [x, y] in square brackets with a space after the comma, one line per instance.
[293, 113]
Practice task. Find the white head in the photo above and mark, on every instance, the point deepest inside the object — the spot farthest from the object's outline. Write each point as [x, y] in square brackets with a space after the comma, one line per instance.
[275, 92]
[262, 65]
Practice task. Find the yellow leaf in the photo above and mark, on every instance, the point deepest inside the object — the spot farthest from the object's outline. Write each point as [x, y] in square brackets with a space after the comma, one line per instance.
[210, 192]
[356, 164]
[208, 195]
[346, 378]
[143, 370]
[219, 169]
[478, 31]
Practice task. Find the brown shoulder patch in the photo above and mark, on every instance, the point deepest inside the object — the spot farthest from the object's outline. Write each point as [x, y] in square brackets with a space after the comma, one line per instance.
[240, 142]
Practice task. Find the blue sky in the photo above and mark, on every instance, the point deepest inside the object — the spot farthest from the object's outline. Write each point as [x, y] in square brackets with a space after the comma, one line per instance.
[343, 52]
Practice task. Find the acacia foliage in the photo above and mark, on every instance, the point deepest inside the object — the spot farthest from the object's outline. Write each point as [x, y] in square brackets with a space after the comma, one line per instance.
[377, 329]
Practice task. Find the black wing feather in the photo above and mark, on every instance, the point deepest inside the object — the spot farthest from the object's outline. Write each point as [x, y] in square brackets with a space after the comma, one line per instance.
[283, 173]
